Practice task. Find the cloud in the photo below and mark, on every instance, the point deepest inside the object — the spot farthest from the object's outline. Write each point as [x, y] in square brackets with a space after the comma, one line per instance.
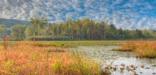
[125, 14]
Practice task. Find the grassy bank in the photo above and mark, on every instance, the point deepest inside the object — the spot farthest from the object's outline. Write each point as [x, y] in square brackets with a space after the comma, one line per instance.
[72, 43]
[25, 58]
[145, 49]
[78, 43]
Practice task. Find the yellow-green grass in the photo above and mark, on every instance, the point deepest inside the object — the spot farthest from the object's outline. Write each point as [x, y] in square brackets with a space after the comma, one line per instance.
[75, 43]
[78, 43]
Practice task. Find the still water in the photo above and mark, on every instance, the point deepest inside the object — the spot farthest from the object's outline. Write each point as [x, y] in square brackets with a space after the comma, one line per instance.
[124, 63]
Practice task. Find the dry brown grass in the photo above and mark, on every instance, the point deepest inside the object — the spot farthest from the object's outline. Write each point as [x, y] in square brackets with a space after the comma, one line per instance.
[141, 48]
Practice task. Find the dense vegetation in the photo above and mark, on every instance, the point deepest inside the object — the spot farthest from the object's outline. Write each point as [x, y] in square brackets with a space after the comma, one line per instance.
[84, 29]
[29, 58]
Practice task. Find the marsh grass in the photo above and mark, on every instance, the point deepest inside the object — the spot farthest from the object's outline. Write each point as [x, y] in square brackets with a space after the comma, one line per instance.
[143, 49]
[24, 58]
[86, 67]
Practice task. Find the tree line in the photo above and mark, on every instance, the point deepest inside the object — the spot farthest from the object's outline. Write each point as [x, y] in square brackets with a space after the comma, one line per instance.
[82, 29]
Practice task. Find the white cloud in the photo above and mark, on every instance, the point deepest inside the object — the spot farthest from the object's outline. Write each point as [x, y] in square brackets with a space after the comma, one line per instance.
[125, 15]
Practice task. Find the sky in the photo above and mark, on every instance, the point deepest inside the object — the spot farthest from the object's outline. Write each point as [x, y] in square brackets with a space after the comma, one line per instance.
[133, 13]
[127, 14]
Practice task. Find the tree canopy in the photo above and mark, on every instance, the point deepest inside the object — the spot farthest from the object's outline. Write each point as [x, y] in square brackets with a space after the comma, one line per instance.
[83, 29]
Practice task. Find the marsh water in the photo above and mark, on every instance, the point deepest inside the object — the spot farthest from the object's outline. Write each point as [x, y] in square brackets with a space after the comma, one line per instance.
[122, 61]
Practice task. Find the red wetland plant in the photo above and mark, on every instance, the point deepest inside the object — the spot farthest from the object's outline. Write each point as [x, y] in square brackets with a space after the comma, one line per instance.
[5, 42]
